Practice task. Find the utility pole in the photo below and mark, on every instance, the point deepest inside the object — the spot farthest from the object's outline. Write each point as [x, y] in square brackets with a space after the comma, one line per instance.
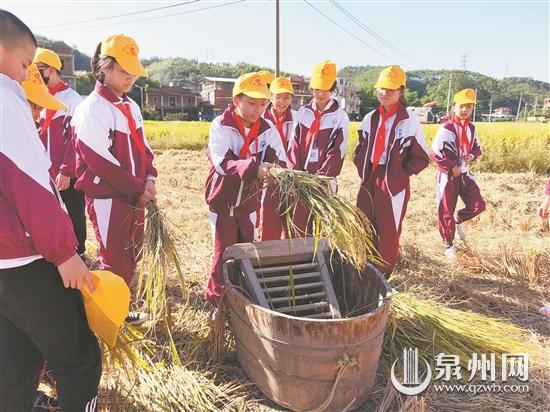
[535, 107]
[525, 111]
[449, 92]
[491, 109]
[519, 105]
[277, 66]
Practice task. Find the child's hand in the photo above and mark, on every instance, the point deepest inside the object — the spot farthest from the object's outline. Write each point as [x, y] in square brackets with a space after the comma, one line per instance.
[62, 182]
[74, 273]
[263, 170]
[544, 208]
[456, 171]
[151, 188]
[468, 158]
[145, 198]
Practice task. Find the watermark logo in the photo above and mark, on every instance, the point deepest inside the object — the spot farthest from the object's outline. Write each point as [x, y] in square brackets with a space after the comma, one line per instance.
[449, 373]
[411, 383]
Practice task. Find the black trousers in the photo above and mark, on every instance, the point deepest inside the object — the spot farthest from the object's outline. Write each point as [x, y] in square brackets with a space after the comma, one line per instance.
[74, 202]
[42, 320]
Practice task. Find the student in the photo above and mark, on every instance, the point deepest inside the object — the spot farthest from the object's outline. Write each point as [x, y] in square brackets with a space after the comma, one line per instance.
[55, 133]
[242, 148]
[321, 135]
[391, 149]
[454, 147]
[114, 161]
[279, 113]
[41, 312]
[544, 208]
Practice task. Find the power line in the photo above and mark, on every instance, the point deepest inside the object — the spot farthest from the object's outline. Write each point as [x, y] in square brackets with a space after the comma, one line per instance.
[153, 18]
[347, 31]
[117, 15]
[375, 35]
[325, 28]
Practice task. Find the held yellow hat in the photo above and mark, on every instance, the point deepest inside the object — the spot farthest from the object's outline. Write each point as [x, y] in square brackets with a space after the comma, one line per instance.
[106, 308]
[267, 76]
[324, 76]
[37, 92]
[465, 96]
[281, 84]
[48, 57]
[252, 85]
[125, 50]
[392, 78]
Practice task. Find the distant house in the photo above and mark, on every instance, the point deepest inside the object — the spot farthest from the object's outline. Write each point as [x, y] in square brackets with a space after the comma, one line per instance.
[172, 99]
[347, 96]
[217, 91]
[66, 55]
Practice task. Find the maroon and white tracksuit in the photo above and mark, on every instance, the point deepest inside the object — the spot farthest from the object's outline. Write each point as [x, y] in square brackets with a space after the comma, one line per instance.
[56, 135]
[40, 319]
[112, 168]
[446, 153]
[272, 226]
[321, 152]
[384, 194]
[232, 190]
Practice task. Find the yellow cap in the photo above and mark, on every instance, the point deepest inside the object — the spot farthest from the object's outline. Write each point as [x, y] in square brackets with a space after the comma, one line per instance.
[125, 50]
[252, 85]
[106, 308]
[465, 96]
[281, 84]
[324, 76]
[267, 76]
[37, 92]
[48, 57]
[392, 78]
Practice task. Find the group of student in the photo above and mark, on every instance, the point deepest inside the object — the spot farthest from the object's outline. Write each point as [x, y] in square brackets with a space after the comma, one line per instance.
[260, 131]
[61, 154]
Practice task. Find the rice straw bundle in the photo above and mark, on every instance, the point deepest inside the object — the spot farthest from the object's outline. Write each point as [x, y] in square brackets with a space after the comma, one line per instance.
[333, 218]
[434, 328]
[160, 257]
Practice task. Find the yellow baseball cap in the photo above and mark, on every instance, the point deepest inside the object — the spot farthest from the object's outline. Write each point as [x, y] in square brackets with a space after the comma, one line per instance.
[106, 308]
[267, 76]
[324, 76]
[252, 85]
[37, 92]
[465, 96]
[392, 78]
[125, 51]
[48, 57]
[281, 84]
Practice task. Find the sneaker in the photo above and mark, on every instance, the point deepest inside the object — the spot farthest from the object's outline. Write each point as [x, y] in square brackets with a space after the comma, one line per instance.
[45, 403]
[136, 318]
[450, 252]
[459, 234]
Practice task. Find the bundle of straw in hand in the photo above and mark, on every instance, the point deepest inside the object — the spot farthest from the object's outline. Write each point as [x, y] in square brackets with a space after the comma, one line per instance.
[333, 218]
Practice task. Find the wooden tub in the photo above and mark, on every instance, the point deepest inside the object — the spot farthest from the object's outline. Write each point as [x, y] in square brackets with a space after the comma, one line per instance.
[309, 364]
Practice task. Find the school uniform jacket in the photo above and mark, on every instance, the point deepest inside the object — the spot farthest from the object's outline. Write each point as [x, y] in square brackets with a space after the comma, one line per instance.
[445, 151]
[406, 149]
[108, 163]
[57, 139]
[33, 221]
[232, 182]
[329, 144]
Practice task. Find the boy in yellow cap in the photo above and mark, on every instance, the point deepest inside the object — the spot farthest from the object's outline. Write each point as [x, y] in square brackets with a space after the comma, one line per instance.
[41, 312]
[321, 135]
[279, 113]
[242, 147]
[38, 95]
[114, 161]
[56, 135]
[454, 147]
[390, 150]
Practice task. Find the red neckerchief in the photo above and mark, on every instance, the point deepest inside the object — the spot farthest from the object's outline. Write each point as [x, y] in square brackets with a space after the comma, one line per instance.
[49, 112]
[279, 123]
[124, 107]
[464, 146]
[314, 128]
[380, 140]
[252, 134]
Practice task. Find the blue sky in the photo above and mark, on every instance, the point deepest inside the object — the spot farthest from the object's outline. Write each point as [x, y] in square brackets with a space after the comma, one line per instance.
[501, 38]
